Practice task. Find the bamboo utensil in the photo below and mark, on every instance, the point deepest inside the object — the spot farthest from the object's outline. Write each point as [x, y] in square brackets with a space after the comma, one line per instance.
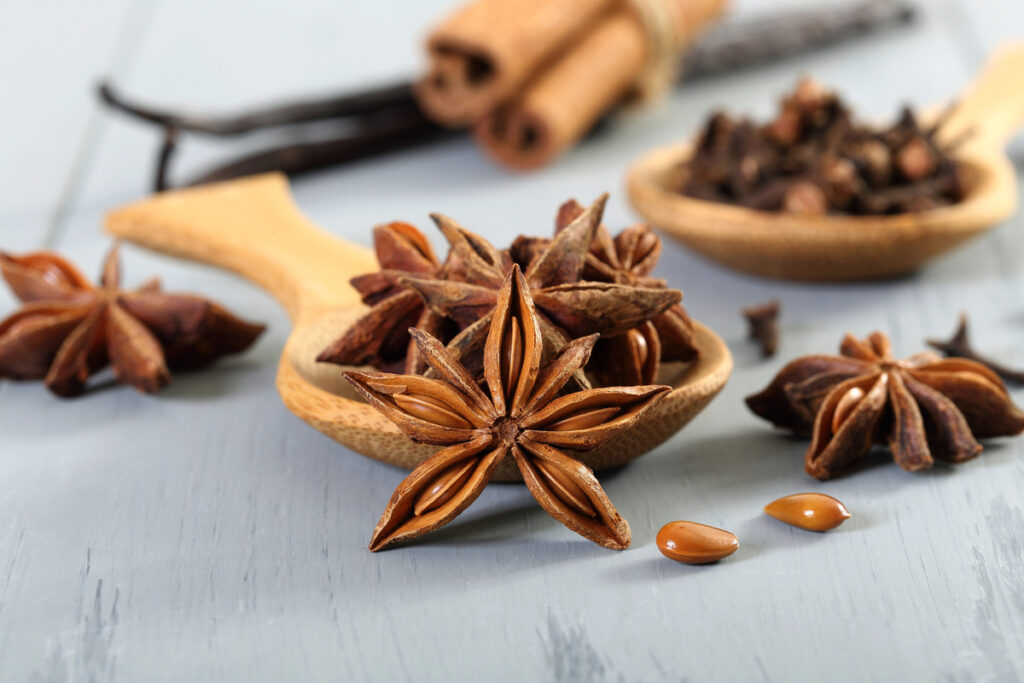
[835, 248]
[252, 226]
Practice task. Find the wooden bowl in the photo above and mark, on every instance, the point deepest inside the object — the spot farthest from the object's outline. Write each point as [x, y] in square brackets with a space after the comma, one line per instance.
[252, 226]
[835, 248]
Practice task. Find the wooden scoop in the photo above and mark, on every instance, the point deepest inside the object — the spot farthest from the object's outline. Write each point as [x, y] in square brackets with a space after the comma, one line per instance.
[252, 226]
[796, 247]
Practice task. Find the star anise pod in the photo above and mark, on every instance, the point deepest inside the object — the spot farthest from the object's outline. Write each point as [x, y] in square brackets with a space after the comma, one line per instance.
[627, 259]
[567, 307]
[521, 415]
[924, 407]
[380, 337]
[68, 329]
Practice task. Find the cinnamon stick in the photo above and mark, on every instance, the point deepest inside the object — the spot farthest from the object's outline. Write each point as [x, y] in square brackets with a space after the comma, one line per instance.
[556, 108]
[559, 107]
[483, 54]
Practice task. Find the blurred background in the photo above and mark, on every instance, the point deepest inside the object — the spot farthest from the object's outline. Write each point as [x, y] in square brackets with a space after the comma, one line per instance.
[63, 153]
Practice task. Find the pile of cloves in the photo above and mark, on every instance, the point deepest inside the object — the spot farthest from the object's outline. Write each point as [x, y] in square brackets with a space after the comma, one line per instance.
[814, 158]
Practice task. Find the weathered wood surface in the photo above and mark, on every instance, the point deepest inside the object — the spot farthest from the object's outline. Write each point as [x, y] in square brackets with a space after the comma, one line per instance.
[207, 534]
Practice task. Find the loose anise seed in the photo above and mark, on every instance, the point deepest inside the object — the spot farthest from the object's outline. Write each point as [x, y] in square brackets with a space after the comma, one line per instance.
[811, 511]
[583, 420]
[565, 488]
[431, 410]
[846, 405]
[511, 356]
[444, 487]
[694, 543]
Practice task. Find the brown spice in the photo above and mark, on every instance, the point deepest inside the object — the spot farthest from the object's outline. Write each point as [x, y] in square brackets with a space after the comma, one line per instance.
[381, 338]
[582, 279]
[763, 324]
[810, 511]
[813, 158]
[959, 345]
[924, 407]
[567, 306]
[522, 415]
[68, 330]
[627, 259]
[693, 543]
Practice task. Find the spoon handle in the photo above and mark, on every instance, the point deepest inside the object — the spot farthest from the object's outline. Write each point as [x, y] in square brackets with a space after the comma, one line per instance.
[252, 227]
[992, 108]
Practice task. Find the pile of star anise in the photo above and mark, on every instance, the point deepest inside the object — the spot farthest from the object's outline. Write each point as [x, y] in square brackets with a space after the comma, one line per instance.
[583, 280]
[535, 353]
[813, 158]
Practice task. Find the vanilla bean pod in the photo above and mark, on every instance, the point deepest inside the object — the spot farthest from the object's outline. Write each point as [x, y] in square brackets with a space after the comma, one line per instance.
[746, 43]
[755, 41]
[362, 103]
[388, 119]
[163, 159]
[400, 131]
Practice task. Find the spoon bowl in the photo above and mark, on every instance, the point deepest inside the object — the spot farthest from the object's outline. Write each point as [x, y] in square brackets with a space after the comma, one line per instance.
[252, 226]
[837, 247]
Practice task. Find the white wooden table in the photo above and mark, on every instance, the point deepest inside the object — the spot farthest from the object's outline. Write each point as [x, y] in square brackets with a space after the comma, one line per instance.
[207, 534]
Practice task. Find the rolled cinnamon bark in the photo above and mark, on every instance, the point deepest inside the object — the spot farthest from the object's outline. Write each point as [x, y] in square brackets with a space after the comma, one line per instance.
[485, 53]
[563, 102]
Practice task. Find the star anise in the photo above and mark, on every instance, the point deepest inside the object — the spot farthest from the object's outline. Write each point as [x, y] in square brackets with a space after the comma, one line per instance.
[567, 307]
[380, 337]
[523, 416]
[67, 330]
[627, 259]
[924, 407]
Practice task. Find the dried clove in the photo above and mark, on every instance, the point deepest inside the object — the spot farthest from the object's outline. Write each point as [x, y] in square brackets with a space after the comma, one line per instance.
[959, 345]
[813, 159]
[763, 322]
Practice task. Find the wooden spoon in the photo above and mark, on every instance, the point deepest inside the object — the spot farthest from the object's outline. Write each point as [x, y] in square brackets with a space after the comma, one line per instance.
[252, 226]
[796, 247]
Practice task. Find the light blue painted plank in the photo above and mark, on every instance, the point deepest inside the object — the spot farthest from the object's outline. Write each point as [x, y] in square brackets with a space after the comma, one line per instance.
[51, 55]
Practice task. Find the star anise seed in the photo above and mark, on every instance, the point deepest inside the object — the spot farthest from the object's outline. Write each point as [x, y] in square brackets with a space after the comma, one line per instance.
[520, 415]
[67, 330]
[924, 407]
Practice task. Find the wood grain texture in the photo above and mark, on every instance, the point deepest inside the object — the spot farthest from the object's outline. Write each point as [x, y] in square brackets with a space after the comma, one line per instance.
[208, 534]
